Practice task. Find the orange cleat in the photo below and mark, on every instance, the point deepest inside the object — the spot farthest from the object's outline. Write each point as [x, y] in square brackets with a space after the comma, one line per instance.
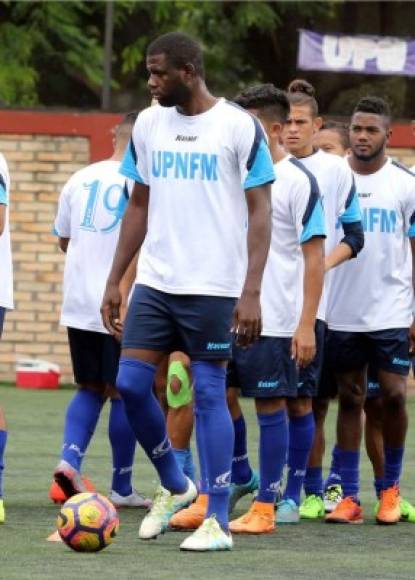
[389, 511]
[57, 494]
[259, 519]
[346, 512]
[192, 517]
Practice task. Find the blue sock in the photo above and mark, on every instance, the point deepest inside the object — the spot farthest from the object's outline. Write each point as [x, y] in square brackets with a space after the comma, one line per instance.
[135, 385]
[241, 470]
[378, 485]
[334, 473]
[184, 460]
[81, 420]
[123, 442]
[217, 435]
[393, 466]
[313, 483]
[203, 482]
[3, 441]
[349, 472]
[301, 433]
[273, 446]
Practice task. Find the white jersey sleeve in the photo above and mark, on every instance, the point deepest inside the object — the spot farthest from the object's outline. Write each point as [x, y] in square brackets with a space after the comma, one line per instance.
[62, 227]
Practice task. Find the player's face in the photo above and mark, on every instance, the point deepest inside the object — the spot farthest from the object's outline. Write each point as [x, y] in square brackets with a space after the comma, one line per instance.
[330, 142]
[368, 136]
[167, 84]
[299, 129]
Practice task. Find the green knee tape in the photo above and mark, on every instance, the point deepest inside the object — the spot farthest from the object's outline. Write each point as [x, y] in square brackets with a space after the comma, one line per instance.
[184, 396]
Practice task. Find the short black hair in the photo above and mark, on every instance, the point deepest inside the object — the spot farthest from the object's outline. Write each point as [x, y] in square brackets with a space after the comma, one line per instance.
[268, 99]
[180, 50]
[375, 106]
[341, 129]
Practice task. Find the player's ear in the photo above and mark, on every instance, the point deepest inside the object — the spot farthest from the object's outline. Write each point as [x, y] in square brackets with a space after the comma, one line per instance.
[275, 130]
[318, 123]
[190, 71]
[388, 134]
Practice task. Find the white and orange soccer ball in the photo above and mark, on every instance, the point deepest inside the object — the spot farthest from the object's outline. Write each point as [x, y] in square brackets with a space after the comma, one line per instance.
[87, 522]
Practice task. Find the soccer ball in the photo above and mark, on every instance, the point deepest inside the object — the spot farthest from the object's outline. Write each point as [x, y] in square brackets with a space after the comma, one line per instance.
[87, 522]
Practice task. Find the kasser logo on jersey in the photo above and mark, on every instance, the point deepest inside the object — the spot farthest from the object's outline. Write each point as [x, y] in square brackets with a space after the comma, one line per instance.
[189, 165]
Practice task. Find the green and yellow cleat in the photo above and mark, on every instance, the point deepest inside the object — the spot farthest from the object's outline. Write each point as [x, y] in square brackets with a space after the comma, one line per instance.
[312, 508]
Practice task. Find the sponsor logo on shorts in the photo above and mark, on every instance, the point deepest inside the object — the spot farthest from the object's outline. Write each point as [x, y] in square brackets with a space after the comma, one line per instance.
[372, 386]
[161, 449]
[401, 362]
[223, 480]
[218, 345]
[267, 384]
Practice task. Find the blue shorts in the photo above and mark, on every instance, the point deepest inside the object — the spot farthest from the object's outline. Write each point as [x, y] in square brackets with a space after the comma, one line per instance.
[309, 377]
[264, 370]
[198, 325]
[386, 350]
[328, 387]
[2, 316]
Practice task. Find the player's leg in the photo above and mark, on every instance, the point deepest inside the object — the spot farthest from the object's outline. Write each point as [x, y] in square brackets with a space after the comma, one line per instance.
[267, 373]
[347, 352]
[148, 335]
[244, 480]
[392, 359]
[374, 429]
[83, 411]
[3, 435]
[301, 437]
[180, 411]
[205, 330]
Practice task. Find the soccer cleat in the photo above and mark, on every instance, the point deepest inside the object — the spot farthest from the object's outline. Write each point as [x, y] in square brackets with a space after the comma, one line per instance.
[407, 511]
[2, 512]
[259, 519]
[389, 511]
[165, 504]
[332, 496]
[57, 494]
[312, 507]
[209, 537]
[239, 490]
[192, 517]
[68, 479]
[347, 511]
[134, 500]
[287, 512]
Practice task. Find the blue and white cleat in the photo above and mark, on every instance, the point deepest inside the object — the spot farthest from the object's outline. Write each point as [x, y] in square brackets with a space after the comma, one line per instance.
[238, 491]
[209, 537]
[288, 512]
[165, 504]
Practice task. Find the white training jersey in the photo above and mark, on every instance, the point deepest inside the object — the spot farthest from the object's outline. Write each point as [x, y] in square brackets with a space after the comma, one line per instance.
[197, 168]
[413, 169]
[91, 206]
[340, 203]
[297, 216]
[6, 265]
[374, 291]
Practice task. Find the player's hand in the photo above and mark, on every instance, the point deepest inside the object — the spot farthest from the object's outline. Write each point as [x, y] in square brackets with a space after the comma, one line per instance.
[412, 338]
[247, 322]
[303, 345]
[110, 310]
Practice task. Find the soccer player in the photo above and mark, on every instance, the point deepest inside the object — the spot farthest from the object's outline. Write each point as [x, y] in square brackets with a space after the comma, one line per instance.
[192, 157]
[268, 370]
[91, 206]
[333, 137]
[340, 203]
[6, 296]
[370, 311]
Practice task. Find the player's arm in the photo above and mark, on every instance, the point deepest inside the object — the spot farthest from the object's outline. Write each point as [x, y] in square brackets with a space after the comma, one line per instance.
[63, 244]
[411, 234]
[247, 322]
[132, 234]
[311, 230]
[126, 284]
[353, 240]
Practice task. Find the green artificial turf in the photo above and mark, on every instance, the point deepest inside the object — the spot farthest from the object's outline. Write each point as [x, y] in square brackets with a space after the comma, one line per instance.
[311, 550]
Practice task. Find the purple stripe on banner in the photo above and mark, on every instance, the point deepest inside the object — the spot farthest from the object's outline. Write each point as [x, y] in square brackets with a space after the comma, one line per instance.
[380, 55]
